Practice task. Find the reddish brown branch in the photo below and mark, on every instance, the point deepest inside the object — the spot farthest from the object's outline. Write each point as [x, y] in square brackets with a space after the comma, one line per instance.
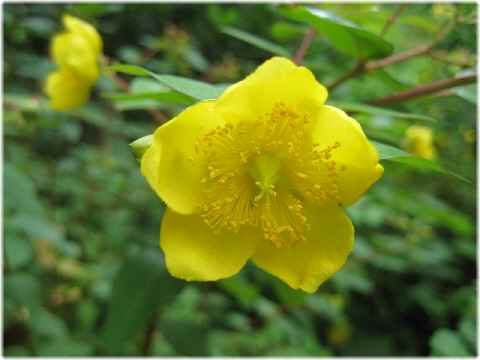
[149, 334]
[358, 69]
[364, 67]
[392, 19]
[306, 41]
[398, 57]
[424, 90]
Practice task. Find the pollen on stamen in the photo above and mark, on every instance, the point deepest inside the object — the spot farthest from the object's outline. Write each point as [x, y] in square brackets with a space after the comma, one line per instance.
[233, 199]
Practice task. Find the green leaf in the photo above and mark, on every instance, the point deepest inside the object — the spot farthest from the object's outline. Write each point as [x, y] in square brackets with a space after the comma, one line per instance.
[391, 153]
[445, 342]
[140, 287]
[21, 195]
[18, 251]
[141, 145]
[145, 93]
[24, 289]
[468, 93]
[44, 324]
[256, 41]
[17, 351]
[129, 69]
[65, 347]
[195, 89]
[468, 330]
[372, 110]
[24, 102]
[185, 326]
[344, 35]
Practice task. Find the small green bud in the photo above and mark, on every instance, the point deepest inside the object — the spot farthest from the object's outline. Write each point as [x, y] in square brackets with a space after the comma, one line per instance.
[141, 145]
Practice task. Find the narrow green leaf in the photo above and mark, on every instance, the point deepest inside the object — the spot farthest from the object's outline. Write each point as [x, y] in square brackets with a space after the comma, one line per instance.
[195, 89]
[388, 152]
[468, 93]
[344, 35]
[391, 153]
[146, 93]
[141, 145]
[367, 109]
[129, 69]
[145, 100]
[256, 41]
[141, 286]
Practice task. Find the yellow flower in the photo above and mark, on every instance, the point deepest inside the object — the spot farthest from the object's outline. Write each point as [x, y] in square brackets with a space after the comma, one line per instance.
[419, 141]
[66, 90]
[78, 48]
[76, 51]
[261, 173]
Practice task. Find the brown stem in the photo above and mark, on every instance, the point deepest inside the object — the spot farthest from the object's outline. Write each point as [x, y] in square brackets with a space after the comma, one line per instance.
[392, 19]
[439, 57]
[408, 54]
[423, 90]
[306, 41]
[148, 341]
[358, 69]
[398, 57]
[372, 65]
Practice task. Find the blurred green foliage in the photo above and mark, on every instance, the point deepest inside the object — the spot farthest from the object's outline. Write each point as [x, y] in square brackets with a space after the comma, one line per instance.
[83, 271]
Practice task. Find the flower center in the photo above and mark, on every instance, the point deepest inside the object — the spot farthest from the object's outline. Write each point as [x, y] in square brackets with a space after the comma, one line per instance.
[259, 173]
[265, 173]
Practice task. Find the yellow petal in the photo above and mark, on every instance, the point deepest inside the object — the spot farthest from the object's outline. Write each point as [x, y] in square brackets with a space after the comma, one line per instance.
[308, 264]
[170, 165]
[276, 80]
[356, 154]
[75, 25]
[66, 90]
[194, 252]
[73, 51]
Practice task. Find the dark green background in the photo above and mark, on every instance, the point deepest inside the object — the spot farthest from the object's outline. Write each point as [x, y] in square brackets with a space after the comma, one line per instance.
[83, 271]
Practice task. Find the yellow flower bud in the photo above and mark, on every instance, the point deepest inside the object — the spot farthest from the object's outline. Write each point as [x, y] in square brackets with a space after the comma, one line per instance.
[76, 51]
[419, 141]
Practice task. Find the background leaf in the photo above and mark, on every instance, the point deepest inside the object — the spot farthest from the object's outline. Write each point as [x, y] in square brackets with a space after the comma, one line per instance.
[194, 89]
[373, 110]
[447, 343]
[342, 34]
[391, 153]
[256, 41]
[140, 288]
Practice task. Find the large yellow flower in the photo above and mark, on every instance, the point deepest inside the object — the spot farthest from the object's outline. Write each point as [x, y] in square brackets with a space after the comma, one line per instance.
[76, 51]
[262, 173]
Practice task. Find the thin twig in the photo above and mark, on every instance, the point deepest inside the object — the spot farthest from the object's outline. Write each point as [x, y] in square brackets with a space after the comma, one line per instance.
[358, 69]
[408, 54]
[306, 41]
[148, 340]
[438, 56]
[398, 57]
[392, 19]
[424, 90]
[364, 67]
